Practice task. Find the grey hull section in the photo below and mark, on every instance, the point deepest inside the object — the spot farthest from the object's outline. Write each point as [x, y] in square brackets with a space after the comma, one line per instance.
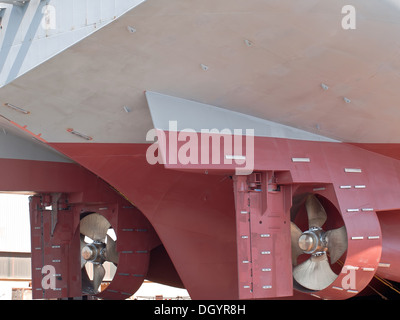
[172, 113]
[15, 144]
[34, 31]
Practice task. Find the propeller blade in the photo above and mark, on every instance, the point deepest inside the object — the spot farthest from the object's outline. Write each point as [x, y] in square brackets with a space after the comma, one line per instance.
[337, 243]
[295, 235]
[111, 250]
[95, 226]
[98, 275]
[314, 273]
[315, 211]
[83, 244]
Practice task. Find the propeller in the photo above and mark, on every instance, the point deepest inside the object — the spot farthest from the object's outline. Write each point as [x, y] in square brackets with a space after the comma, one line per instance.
[315, 273]
[101, 248]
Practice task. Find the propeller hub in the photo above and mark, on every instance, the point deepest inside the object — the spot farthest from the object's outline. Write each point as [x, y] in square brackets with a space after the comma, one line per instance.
[313, 241]
[306, 242]
[94, 252]
[88, 253]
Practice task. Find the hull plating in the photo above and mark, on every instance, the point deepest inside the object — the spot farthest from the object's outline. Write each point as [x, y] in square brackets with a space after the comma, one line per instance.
[194, 213]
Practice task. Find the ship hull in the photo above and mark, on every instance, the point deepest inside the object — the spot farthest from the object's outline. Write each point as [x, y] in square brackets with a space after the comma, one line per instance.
[193, 209]
[125, 104]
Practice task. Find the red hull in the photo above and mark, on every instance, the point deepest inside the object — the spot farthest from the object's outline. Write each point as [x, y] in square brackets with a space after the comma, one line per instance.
[194, 213]
[218, 232]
